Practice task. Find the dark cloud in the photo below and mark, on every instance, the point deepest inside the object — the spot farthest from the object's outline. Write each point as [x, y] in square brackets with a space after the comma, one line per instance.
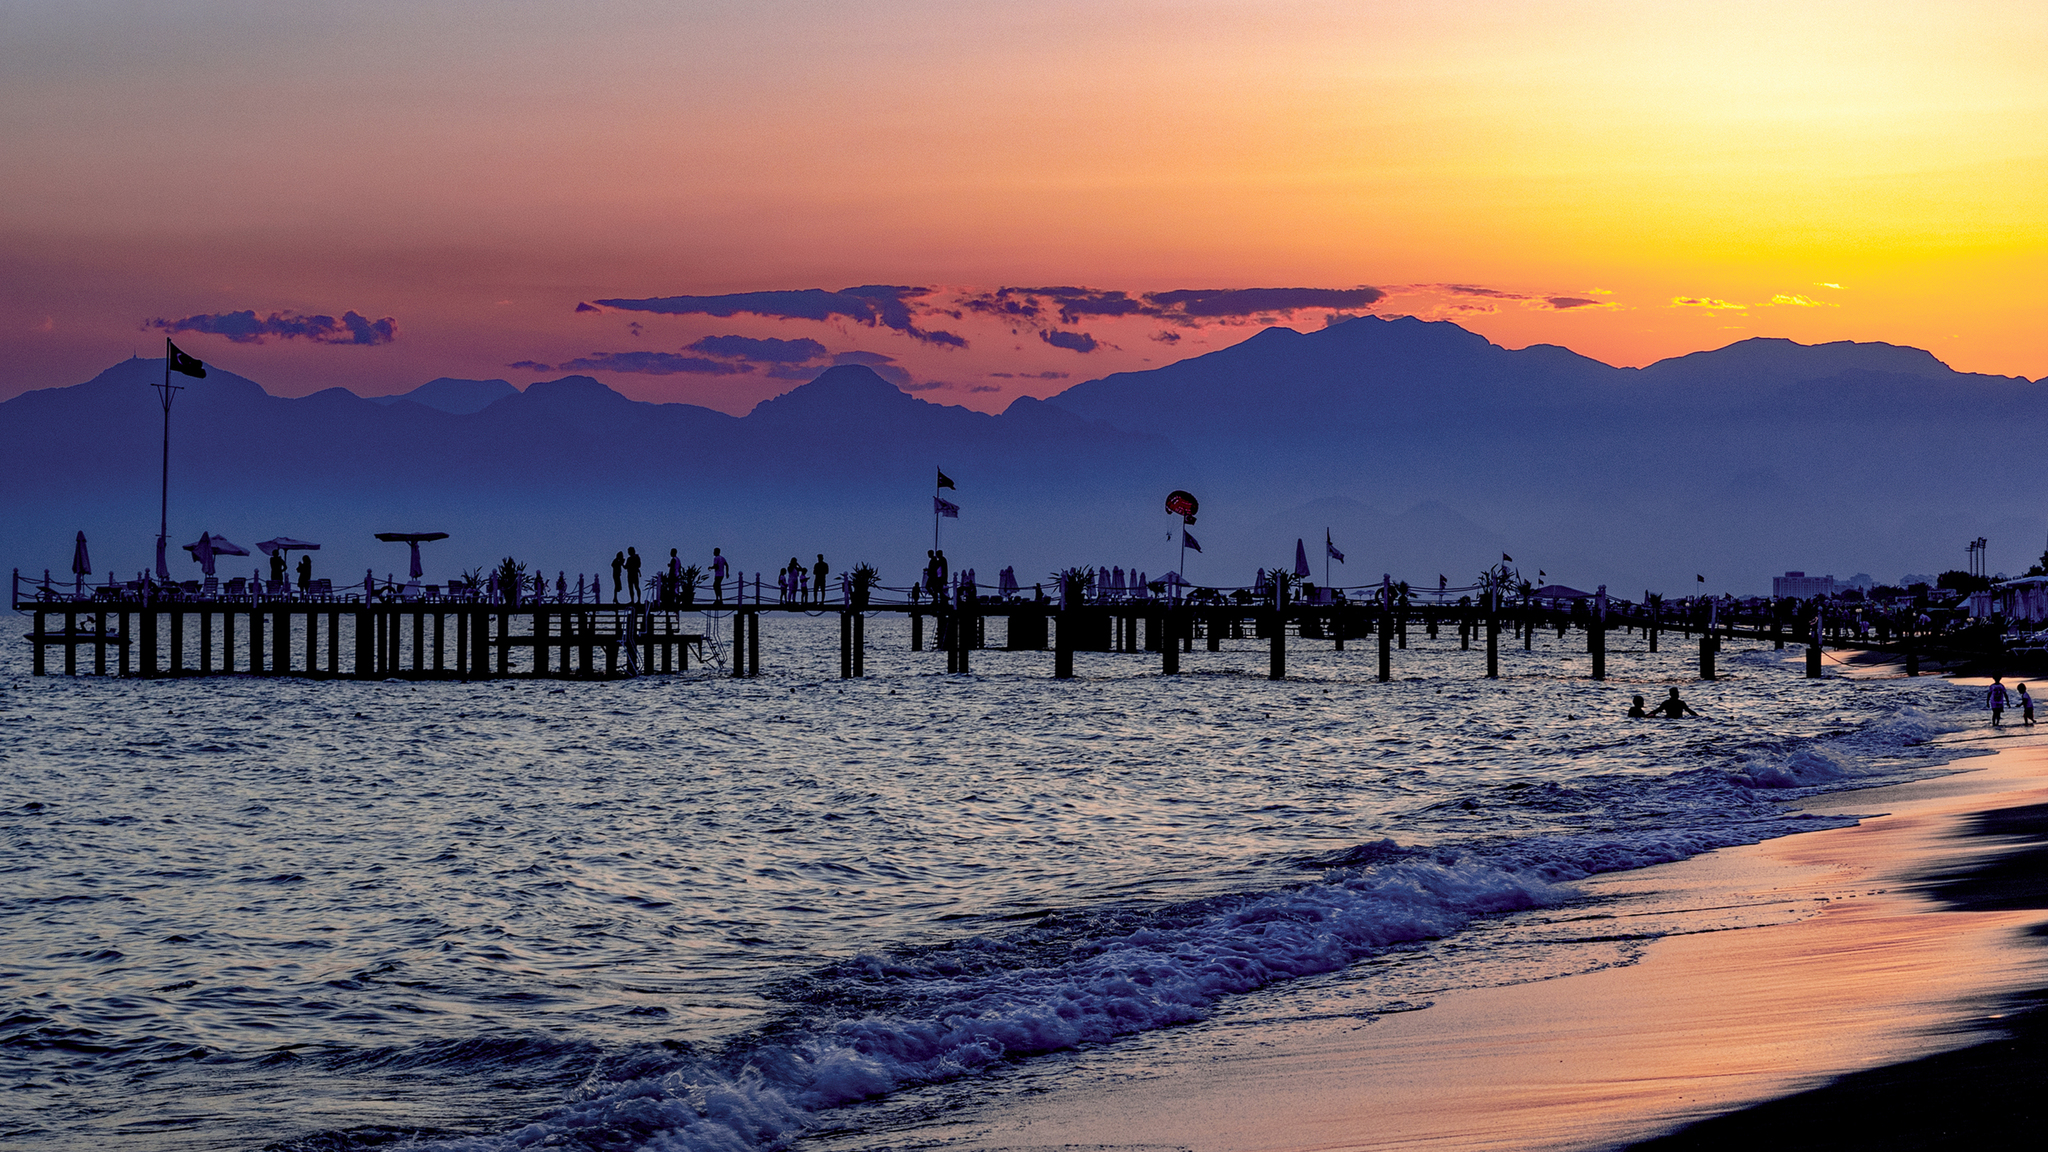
[633, 327]
[1042, 308]
[652, 364]
[1075, 341]
[875, 305]
[1569, 301]
[531, 366]
[1029, 305]
[588, 308]
[1226, 303]
[1476, 290]
[245, 327]
[924, 385]
[1166, 336]
[983, 388]
[1046, 375]
[768, 351]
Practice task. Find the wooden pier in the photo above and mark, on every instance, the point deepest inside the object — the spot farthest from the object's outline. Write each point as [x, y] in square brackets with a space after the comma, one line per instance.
[145, 632]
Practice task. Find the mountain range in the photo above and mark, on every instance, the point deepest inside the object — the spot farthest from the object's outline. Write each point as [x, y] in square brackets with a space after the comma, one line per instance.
[1420, 447]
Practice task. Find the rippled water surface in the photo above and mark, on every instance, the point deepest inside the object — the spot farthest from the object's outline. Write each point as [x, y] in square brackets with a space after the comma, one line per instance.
[700, 912]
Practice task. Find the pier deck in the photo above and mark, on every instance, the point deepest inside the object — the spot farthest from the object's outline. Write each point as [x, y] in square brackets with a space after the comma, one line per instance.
[171, 633]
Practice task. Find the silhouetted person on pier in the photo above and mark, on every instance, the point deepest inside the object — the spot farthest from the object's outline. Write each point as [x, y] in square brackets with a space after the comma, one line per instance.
[618, 575]
[633, 574]
[819, 571]
[305, 573]
[1996, 697]
[718, 568]
[277, 569]
[1635, 710]
[1673, 708]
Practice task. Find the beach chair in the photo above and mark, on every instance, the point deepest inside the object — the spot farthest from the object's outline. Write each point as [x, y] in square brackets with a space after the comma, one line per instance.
[277, 588]
[238, 588]
[323, 589]
[210, 589]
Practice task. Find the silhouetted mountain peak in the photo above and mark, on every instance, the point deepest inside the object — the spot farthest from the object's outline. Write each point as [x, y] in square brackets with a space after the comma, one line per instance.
[578, 389]
[1773, 360]
[843, 390]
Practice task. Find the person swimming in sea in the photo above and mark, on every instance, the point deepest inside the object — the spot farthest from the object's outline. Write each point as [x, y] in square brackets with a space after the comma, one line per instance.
[1673, 708]
[1635, 710]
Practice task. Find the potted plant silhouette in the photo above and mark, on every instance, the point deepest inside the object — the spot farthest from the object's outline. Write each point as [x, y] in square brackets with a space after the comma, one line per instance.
[862, 583]
[511, 581]
[691, 578]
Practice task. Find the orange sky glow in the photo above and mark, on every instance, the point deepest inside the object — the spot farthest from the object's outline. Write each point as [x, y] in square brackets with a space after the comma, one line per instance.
[1630, 180]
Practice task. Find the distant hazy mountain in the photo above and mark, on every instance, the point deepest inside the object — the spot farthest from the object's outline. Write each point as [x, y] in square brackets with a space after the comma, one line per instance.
[460, 397]
[1421, 447]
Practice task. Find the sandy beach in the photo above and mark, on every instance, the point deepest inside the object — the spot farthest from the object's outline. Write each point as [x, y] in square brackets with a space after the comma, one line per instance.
[1890, 1009]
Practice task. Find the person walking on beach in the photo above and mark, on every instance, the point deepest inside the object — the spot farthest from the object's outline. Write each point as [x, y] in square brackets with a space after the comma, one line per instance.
[618, 575]
[2026, 708]
[1996, 699]
[1673, 708]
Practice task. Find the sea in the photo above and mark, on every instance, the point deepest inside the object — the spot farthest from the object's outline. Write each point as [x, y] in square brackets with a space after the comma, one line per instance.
[694, 912]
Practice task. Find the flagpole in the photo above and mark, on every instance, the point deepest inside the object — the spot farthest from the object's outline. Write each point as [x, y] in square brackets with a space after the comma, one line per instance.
[163, 524]
[1327, 545]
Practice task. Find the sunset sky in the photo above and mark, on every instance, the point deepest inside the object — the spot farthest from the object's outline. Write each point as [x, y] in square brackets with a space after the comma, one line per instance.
[501, 189]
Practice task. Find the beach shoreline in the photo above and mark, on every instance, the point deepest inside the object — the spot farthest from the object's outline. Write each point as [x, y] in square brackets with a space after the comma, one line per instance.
[1888, 987]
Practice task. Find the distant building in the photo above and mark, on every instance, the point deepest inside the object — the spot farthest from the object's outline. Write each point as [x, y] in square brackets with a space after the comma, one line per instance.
[1912, 578]
[1801, 585]
[1862, 582]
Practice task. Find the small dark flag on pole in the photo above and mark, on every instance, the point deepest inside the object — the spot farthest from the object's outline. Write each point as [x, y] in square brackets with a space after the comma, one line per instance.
[1506, 559]
[1700, 578]
[946, 481]
[1188, 541]
[1332, 549]
[189, 365]
[945, 508]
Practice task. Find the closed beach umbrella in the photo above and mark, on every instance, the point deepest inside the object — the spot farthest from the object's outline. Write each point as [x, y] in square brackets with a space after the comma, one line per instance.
[81, 564]
[1300, 559]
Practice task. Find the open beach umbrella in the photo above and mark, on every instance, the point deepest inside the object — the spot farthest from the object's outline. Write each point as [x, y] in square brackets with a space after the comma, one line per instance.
[287, 545]
[414, 539]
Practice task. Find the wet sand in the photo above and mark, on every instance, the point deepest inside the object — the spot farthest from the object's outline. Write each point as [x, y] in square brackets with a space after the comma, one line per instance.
[1907, 993]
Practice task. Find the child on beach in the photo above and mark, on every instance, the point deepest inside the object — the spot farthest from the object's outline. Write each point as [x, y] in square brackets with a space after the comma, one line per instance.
[2026, 707]
[1996, 699]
